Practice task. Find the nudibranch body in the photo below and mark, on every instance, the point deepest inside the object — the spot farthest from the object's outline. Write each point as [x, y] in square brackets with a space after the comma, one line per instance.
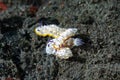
[61, 49]
[49, 30]
[62, 42]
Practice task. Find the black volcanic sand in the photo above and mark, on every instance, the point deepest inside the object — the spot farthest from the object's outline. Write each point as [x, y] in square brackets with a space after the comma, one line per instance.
[22, 52]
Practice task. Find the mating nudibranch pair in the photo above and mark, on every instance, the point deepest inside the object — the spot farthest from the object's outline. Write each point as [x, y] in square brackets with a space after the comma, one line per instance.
[62, 42]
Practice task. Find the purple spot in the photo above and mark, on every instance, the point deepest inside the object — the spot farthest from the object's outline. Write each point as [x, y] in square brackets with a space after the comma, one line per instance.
[48, 45]
[38, 30]
[40, 24]
[51, 41]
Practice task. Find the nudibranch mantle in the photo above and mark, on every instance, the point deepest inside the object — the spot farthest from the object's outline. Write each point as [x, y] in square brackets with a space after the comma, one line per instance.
[49, 30]
[61, 48]
[62, 42]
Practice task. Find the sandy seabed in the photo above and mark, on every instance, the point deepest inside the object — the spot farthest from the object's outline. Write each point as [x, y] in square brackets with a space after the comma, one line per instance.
[22, 52]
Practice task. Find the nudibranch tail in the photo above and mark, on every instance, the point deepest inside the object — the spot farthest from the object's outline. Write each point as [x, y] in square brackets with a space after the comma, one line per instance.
[67, 34]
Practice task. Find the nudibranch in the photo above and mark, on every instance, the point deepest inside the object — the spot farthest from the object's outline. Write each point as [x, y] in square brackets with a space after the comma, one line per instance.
[49, 30]
[60, 46]
[62, 43]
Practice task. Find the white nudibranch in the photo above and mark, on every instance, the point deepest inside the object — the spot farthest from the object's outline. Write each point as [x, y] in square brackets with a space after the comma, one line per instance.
[49, 30]
[62, 42]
